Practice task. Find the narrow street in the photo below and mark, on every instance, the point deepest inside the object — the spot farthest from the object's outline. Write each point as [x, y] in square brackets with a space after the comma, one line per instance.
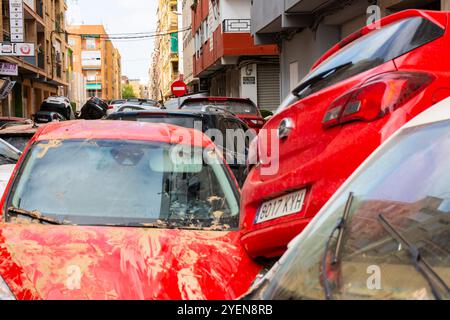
[232, 151]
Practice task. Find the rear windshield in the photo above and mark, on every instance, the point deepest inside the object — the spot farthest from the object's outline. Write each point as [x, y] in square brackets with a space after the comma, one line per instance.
[236, 107]
[185, 122]
[136, 108]
[54, 107]
[374, 49]
[19, 142]
[114, 102]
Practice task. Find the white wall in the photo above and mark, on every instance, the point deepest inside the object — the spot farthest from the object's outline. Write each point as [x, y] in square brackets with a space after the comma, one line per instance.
[235, 9]
[249, 90]
[188, 43]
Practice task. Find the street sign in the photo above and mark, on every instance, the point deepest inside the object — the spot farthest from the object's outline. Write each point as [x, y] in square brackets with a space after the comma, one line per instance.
[179, 88]
[9, 69]
[17, 49]
[6, 88]
[16, 20]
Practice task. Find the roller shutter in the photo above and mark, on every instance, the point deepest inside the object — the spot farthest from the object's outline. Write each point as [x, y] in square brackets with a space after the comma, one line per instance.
[268, 86]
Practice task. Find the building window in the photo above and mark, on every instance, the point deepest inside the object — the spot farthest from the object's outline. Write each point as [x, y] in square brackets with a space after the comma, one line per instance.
[90, 44]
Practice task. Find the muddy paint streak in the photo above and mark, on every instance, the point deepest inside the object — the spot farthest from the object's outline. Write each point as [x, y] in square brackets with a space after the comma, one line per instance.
[47, 262]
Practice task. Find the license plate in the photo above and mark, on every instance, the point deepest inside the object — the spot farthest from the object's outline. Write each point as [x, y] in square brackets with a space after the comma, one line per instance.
[283, 206]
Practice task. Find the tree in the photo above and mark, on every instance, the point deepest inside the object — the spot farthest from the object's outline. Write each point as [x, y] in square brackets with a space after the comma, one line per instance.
[128, 92]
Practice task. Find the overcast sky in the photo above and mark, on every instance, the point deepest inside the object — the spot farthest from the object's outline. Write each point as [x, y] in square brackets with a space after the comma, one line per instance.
[121, 16]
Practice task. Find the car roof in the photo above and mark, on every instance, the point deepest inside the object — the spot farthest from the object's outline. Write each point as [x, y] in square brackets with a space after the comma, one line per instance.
[187, 113]
[179, 113]
[20, 129]
[12, 119]
[217, 99]
[121, 130]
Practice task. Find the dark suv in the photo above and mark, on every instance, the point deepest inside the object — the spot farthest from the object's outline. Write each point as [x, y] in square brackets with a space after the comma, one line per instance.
[236, 135]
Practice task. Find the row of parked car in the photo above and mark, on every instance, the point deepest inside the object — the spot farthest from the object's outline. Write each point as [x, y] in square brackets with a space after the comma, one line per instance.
[358, 208]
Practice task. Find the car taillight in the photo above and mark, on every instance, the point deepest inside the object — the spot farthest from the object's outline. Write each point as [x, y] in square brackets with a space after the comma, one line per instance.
[377, 97]
[110, 107]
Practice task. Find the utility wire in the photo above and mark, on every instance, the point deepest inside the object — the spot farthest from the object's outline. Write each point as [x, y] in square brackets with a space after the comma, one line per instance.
[130, 37]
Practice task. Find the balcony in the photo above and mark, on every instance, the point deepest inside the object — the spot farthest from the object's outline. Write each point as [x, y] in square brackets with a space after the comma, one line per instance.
[231, 40]
[236, 25]
[271, 17]
[174, 43]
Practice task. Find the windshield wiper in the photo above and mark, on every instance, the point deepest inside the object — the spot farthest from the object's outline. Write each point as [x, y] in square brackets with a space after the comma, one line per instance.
[340, 227]
[319, 77]
[36, 215]
[436, 283]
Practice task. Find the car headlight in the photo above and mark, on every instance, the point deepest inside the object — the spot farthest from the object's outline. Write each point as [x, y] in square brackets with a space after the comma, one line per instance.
[5, 292]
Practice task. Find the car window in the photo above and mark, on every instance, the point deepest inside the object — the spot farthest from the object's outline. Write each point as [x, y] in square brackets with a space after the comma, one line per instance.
[127, 183]
[238, 138]
[58, 108]
[7, 154]
[409, 184]
[185, 122]
[237, 107]
[370, 51]
[19, 141]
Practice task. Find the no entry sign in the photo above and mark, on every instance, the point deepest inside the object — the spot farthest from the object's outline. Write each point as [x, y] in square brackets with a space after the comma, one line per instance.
[179, 88]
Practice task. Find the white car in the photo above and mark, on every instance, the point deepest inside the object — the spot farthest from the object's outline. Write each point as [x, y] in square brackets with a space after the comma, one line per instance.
[6, 172]
[386, 233]
[147, 104]
[114, 105]
[9, 156]
[131, 107]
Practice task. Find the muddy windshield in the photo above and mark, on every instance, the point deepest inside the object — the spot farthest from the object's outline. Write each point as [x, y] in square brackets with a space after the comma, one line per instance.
[126, 183]
[407, 186]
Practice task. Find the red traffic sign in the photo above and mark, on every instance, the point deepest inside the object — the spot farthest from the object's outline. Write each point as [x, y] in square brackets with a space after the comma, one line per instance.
[179, 88]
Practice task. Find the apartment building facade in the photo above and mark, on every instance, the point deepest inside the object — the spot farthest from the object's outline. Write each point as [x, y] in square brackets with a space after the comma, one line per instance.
[45, 73]
[136, 85]
[165, 65]
[77, 83]
[305, 29]
[96, 58]
[226, 60]
[188, 47]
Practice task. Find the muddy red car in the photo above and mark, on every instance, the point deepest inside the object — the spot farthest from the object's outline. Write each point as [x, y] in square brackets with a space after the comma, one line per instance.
[356, 96]
[101, 210]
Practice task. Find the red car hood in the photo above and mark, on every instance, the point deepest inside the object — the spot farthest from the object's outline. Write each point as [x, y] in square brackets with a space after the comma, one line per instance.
[70, 262]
